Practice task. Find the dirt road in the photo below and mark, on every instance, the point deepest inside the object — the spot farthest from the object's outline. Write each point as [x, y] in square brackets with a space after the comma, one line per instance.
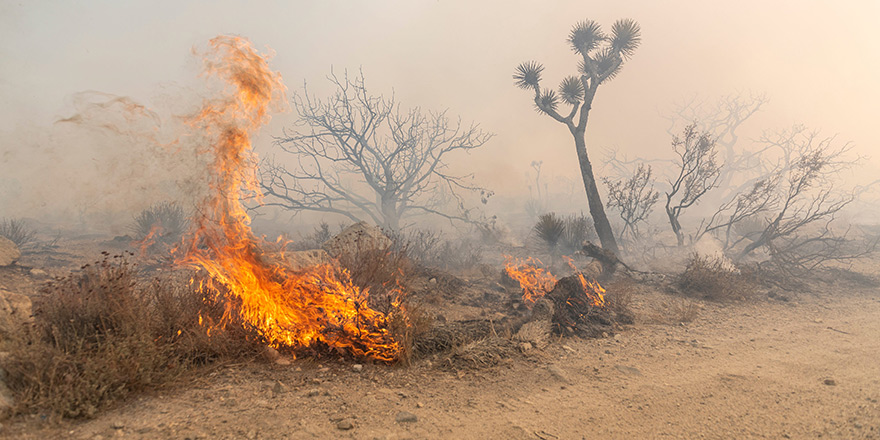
[807, 368]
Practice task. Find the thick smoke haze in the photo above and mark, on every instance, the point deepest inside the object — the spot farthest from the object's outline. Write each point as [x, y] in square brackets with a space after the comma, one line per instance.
[817, 62]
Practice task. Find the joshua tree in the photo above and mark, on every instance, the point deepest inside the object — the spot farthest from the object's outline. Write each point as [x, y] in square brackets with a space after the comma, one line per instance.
[602, 57]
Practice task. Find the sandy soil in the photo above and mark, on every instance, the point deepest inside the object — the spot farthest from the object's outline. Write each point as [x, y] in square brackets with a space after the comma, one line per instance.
[806, 368]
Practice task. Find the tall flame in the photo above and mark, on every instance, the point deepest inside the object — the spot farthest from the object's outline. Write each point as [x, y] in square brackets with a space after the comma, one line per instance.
[289, 309]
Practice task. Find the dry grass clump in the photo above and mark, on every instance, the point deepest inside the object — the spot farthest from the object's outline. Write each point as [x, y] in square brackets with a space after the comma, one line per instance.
[715, 279]
[100, 336]
[17, 232]
[619, 299]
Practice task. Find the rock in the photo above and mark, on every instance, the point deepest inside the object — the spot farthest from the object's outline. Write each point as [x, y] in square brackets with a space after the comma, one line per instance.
[829, 382]
[117, 425]
[9, 252]
[406, 417]
[345, 424]
[38, 272]
[359, 237]
[313, 392]
[305, 259]
[631, 371]
[279, 388]
[15, 312]
[433, 280]
[557, 373]
[357, 368]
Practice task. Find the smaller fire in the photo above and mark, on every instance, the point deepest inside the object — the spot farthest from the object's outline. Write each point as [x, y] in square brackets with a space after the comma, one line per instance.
[594, 291]
[534, 280]
[537, 281]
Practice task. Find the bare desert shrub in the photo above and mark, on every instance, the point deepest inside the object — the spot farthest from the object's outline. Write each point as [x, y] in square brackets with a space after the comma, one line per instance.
[428, 249]
[619, 298]
[714, 278]
[314, 240]
[17, 232]
[578, 229]
[99, 336]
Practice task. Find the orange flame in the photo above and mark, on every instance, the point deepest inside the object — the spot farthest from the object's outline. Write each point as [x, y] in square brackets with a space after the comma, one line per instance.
[534, 280]
[594, 291]
[537, 281]
[320, 305]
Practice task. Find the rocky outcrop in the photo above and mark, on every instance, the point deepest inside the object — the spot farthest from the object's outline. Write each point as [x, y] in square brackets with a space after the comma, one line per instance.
[359, 237]
[9, 252]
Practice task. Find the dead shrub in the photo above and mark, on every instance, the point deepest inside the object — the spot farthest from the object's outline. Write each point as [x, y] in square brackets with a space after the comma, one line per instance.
[17, 232]
[619, 298]
[160, 226]
[99, 336]
[715, 279]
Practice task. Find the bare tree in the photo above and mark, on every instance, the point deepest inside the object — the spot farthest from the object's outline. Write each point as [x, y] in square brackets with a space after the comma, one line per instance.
[602, 57]
[796, 205]
[634, 199]
[360, 156]
[698, 173]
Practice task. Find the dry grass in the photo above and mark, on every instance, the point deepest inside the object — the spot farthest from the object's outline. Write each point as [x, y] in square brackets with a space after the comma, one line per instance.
[714, 279]
[100, 336]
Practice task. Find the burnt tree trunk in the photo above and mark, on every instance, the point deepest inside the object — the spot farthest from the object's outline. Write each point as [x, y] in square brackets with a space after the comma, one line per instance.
[597, 208]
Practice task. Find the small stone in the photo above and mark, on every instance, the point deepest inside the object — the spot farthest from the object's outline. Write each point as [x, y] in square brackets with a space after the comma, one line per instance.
[433, 281]
[406, 417]
[313, 393]
[829, 382]
[117, 425]
[617, 337]
[278, 388]
[420, 405]
[357, 368]
[557, 373]
[251, 435]
[282, 361]
[38, 272]
[344, 424]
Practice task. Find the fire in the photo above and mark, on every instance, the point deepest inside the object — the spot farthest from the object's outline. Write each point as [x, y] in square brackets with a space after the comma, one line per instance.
[534, 280]
[594, 291]
[301, 309]
[537, 281]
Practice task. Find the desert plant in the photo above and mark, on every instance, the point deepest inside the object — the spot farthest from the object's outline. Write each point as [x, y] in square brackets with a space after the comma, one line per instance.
[549, 229]
[160, 225]
[698, 173]
[715, 278]
[100, 336]
[17, 232]
[577, 229]
[601, 58]
[634, 199]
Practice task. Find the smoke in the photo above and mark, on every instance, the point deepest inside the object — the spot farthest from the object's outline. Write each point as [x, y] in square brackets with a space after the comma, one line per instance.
[108, 158]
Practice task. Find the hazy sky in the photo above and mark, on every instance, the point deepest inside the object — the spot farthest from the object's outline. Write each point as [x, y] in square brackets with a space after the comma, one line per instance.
[817, 61]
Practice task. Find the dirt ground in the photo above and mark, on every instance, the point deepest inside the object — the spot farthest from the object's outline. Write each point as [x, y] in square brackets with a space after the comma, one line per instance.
[806, 366]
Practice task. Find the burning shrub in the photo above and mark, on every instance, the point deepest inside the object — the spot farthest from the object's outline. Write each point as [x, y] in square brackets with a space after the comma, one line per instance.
[99, 336]
[160, 226]
[16, 231]
[714, 278]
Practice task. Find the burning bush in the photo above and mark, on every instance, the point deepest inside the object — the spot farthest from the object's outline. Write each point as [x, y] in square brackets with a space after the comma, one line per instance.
[99, 336]
[714, 278]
